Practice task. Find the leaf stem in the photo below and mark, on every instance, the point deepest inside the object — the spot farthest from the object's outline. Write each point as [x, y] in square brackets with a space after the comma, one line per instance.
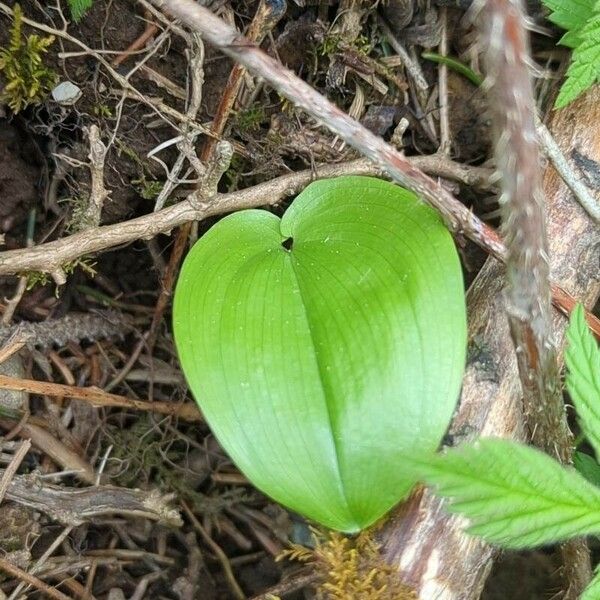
[504, 42]
[455, 65]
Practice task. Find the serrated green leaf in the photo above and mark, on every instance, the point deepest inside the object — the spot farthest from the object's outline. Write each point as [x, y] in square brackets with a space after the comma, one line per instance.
[584, 69]
[592, 591]
[569, 14]
[582, 359]
[79, 8]
[588, 467]
[515, 496]
[321, 364]
[572, 39]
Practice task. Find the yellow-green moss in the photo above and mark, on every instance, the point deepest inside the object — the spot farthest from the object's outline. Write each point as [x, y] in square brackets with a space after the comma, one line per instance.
[351, 567]
[28, 80]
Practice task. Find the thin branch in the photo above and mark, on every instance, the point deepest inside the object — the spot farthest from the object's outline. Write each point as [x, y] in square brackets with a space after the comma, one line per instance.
[504, 42]
[53, 255]
[39, 563]
[97, 397]
[458, 217]
[14, 571]
[234, 587]
[195, 55]
[11, 469]
[65, 457]
[266, 17]
[289, 585]
[74, 506]
[561, 164]
[412, 68]
[13, 303]
[98, 193]
[445, 142]
[137, 44]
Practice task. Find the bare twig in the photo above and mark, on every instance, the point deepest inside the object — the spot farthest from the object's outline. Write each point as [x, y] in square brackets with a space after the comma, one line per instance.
[445, 143]
[412, 68]
[14, 571]
[457, 216]
[137, 44]
[376, 66]
[290, 585]
[566, 303]
[266, 17]
[528, 299]
[51, 255]
[221, 556]
[98, 193]
[11, 469]
[581, 191]
[74, 506]
[503, 38]
[74, 326]
[215, 168]
[39, 563]
[98, 397]
[12, 303]
[196, 71]
[53, 448]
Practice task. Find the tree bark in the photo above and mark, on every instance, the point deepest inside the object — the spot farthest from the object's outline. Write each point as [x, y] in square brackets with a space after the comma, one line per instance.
[428, 547]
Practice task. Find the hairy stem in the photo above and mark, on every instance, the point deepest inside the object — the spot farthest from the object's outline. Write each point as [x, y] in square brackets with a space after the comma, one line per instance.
[504, 42]
[458, 217]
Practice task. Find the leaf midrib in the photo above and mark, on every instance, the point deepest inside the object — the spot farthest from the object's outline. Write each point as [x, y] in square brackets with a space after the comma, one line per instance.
[324, 387]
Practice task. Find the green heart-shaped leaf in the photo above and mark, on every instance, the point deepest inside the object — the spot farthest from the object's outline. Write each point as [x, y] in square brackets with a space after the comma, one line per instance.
[324, 346]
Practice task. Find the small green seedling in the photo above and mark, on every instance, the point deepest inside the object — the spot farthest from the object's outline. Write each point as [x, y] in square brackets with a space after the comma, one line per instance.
[518, 497]
[78, 8]
[324, 346]
[581, 20]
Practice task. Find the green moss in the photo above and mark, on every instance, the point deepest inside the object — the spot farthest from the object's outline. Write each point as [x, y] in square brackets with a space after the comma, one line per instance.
[250, 119]
[28, 80]
[148, 189]
[350, 567]
[144, 454]
[35, 278]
